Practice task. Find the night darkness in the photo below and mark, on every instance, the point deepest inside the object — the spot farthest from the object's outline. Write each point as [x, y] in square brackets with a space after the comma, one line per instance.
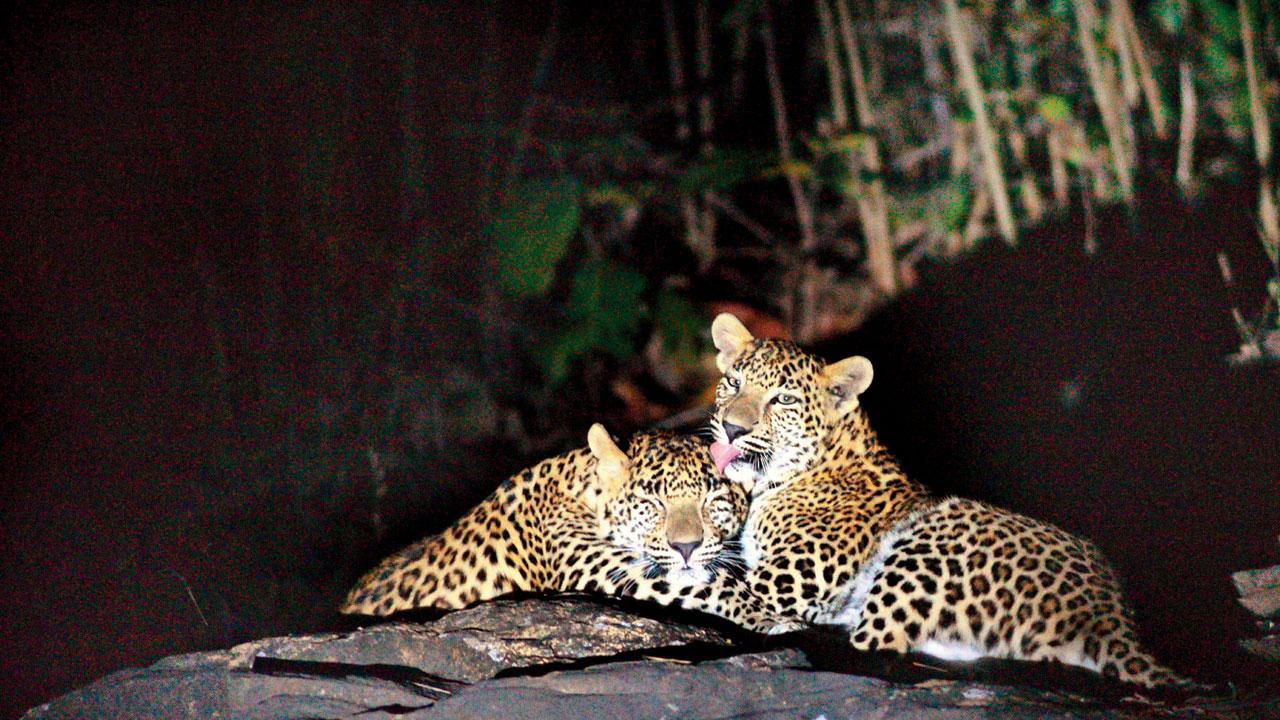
[220, 295]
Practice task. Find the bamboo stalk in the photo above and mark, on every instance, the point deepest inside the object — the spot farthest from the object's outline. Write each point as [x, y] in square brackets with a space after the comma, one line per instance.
[675, 69]
[1058, 165]
[961, 147]
[849, 36]
[1257, 108]
[974, 226]
[738, 74]
[875, 50]
[873, 208]
[1186, 128]
[1028, 189]
[1269, 218]
[702, 55]
[1119, 39]
[968, 76]
[802, 313]
[1104, 94]
[1124, 116]
[1146, 77]
[698, 243]
[835, 77]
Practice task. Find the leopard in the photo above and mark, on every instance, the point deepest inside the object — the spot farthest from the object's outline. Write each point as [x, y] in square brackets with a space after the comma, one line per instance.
[838, 535]
[580, 521]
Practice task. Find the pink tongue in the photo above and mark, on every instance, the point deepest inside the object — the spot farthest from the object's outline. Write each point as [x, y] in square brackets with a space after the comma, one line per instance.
[722, 454]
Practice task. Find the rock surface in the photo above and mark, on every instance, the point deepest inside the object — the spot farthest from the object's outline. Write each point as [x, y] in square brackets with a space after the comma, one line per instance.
[564, 658]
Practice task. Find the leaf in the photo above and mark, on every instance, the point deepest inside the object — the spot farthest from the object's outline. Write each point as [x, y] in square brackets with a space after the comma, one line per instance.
[791, 168]
[1054, 108]
[1224, 23]
[531, 232]
[958, 198]
[603, 313]
[610, 194]
[1222, 64]
[679, 324]
[1168, 13]
[722, 170]
[849, 142]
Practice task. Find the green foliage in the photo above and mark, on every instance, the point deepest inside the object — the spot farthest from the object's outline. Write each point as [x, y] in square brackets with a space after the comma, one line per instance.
[679, 324]
[721, 170]
[742, 13]
[1060, 9]
[957, 200]
[1054, 108]
[791, 168]
[531, 232]
[1222, 63]
[603, 314]
[610, 195]
[1224, 22]
[1168, 13]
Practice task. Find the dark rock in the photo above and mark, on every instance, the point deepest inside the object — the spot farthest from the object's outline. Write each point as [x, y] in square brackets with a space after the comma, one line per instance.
[479, 642]
[570, 658]
[193, 686]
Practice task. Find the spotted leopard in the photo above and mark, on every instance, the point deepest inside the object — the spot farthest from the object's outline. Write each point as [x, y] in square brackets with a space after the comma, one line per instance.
[579, 521]
[838, 534]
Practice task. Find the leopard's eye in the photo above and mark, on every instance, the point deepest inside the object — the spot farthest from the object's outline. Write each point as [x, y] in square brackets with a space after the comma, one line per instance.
[732, 383]
[786, 399]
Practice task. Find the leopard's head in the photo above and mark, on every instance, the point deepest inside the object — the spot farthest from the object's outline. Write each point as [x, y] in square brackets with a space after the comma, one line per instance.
[776, 404]
[664, 502]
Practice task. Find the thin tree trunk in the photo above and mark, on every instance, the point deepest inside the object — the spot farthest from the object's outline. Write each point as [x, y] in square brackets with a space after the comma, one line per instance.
[975, 227]
[1119, 37]
[1104, 95]
[987, 140]
[1146, 77]
[706, 120]
[835, 77]
[738, 68]
[803, 309]
[849, 36]
[874, 205]
[412, 191]
[675, 66]
[689, 210]
[524, 135]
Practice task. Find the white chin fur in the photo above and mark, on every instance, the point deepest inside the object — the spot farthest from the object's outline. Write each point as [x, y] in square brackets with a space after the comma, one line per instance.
[741, 472]
[689, 576]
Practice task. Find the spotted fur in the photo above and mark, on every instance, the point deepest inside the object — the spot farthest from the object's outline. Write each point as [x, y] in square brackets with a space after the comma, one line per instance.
[838, 534]
[585, 520]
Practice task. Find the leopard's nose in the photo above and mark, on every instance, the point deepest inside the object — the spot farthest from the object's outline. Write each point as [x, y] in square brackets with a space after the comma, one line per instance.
[732, 431]
[686, 549]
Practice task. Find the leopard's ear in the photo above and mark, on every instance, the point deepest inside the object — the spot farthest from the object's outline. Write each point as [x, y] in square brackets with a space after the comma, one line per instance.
[731, 338]
[613, 467]
[846, 380]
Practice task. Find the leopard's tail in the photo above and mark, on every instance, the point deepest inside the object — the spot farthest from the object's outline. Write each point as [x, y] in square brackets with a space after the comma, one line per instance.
[1119, 655]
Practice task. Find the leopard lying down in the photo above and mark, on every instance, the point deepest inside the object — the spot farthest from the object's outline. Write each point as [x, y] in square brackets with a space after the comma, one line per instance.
[838, 534]
[578, 521]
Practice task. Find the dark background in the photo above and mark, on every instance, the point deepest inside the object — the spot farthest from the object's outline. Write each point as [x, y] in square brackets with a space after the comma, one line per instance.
[194, 375]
